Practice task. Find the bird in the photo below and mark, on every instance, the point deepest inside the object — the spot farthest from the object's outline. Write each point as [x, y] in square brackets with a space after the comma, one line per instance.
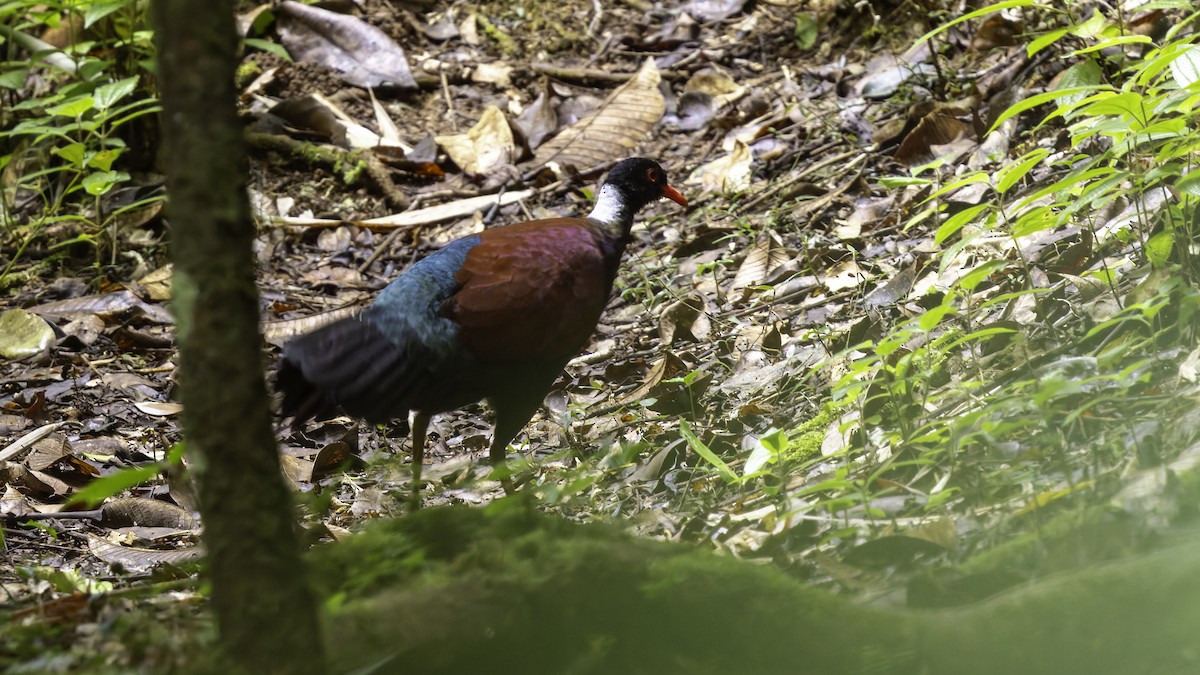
[492, 316]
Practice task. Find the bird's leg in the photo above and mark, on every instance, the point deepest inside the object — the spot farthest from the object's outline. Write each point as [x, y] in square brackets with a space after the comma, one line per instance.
[511, 416]
[497, 458]
[420, 424]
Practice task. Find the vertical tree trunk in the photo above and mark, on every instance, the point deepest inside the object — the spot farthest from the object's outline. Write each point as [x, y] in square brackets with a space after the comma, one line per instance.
[266, 612]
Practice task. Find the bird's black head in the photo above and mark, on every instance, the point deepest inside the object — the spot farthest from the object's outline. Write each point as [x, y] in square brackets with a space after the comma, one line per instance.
[642, 181]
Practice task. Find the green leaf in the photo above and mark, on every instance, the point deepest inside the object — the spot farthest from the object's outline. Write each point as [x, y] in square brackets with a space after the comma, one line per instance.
[983, 11]
[1125, 104]
[73, 153]
[1091, 28]
[1158, 248]
[1185, 68]
[1189, 184]
[90, 68]
[1036, 100]
[980, 334]
[1011, 174]
[1035, 219]
[1115, 42]
[962, 181]
[104, 159]
[760, 456]
[957, 221]
[113, 484]
[108, 95]
[704, 451]
[930, 319]
[269, 47]
[1085, 74]
[893, 182]
[93, 12]
[13, 78]
[805, 32]
[976, 276]
[1042, 41]
[74, 107]
[102, 181]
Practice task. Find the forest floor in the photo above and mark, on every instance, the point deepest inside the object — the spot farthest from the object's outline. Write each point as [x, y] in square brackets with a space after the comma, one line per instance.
[807, 367]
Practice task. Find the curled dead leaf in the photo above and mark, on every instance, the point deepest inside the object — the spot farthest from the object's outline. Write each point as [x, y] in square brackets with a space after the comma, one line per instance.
[728, 174]
[484, 147]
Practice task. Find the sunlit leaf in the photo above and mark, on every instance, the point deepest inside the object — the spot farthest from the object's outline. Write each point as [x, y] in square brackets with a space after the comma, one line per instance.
[101, 182]
[73, 107]
[1185, 68]
[956, 222]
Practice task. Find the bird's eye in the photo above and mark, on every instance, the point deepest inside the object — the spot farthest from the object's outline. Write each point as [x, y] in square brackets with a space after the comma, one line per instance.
[652, 176]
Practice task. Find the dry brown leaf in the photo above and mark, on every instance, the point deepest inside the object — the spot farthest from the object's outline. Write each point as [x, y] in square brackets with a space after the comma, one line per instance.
[159, 408]
[362, 53]
[486, 146]
[389, 133]
[48, 451]
[318, 114]
[14, 504]
[625, 118]
[997, 30]
[278, 332]
[140, 512]
[891, 291]
[886, 72]
[938, 128]
[728, 174]
[842, 276]
[766, 256]
[538, 121]
[685, 319]
[713, 10]
[720, 87]
[156, 285]
[137, 558]
[31, 482]
[28, 440]
[104, 305]
[499, 74]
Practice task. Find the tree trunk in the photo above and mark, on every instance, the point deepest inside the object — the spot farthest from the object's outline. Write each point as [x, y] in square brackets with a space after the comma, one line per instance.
[266, 613]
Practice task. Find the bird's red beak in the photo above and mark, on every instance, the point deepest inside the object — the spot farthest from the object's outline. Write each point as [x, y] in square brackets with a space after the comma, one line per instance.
[673, 194]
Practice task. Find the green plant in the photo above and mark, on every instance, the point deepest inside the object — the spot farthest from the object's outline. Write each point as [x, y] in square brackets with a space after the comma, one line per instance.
[67, 145]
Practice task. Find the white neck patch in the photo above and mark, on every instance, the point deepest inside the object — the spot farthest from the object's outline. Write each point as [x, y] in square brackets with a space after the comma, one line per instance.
[609, 206]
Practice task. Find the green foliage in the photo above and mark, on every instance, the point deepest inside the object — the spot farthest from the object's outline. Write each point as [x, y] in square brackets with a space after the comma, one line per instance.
[68, 143]
[1073, 395]
[97, 491]
[1006, 388]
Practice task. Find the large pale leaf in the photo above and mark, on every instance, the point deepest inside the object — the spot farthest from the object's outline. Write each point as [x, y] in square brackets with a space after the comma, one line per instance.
[610, 132]
[23, 334]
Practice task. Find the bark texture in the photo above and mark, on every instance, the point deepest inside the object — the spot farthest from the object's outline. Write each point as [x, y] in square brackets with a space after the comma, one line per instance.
[265, 610]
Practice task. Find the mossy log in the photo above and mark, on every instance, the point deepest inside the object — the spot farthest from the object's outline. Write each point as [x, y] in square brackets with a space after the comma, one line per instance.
[518, 592]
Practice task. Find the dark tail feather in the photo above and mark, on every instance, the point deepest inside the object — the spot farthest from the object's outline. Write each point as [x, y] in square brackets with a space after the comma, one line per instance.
[348, 365]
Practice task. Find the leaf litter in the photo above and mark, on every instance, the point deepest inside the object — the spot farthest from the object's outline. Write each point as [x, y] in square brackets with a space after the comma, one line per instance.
[706, 406]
